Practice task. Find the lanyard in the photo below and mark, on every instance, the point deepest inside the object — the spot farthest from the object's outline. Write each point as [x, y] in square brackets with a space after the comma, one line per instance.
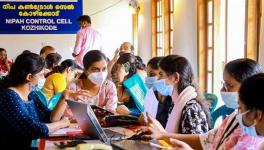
[226, 133]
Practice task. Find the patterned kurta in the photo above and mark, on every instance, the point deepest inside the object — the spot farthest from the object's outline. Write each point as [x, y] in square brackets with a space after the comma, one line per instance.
[193, 119]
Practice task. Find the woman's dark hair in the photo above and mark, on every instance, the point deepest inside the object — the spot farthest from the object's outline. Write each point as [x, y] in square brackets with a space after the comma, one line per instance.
[63, 66]
[177, 64]
[52, 60]
[25, 63]
[251, 92]
[133, 61]
[90, 58]
[154, 62]
[26, 51]
[241, 69]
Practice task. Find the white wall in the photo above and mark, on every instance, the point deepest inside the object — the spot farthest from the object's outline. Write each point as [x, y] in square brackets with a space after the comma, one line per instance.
[185, 31]
[144, 33]
[115, 25]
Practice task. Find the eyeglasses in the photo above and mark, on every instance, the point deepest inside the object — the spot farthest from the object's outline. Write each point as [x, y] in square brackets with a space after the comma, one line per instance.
[226, 85]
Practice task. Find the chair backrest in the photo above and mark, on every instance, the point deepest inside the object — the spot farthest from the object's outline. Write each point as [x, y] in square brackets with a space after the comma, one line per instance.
[212, 99]
[223, 112]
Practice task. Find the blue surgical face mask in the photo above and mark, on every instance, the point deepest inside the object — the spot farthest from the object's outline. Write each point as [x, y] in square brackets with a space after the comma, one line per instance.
[162, 88]
[150, 81]
[230, 99]
[251, 130]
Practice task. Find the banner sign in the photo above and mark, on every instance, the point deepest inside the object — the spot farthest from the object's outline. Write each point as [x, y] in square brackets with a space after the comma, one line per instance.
[39, 16]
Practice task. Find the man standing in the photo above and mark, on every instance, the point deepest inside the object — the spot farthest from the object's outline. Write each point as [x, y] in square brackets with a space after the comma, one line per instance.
[87, 39]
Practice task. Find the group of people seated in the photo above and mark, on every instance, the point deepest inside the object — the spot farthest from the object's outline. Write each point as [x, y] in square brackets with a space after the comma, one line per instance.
[163, 94]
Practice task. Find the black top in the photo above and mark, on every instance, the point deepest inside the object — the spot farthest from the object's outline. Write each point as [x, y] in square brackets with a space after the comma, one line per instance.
[164, 109]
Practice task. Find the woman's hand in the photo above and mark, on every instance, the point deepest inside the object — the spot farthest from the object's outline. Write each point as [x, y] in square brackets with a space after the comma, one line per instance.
[64, 122]
[116, 55]
[76, 95]
[153, 127]
[152, 122]
[122, 109]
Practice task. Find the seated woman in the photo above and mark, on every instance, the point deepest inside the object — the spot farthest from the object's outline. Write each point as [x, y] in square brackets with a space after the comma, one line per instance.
[59, 78]
[102, 92]
[165, 105]
[241, 130]
[23, 117]
[189, 114]
[127, 66]
[235, 72]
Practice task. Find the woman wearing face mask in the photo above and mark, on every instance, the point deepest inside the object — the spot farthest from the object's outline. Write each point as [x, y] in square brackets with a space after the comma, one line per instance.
[235, 73]
[23, 116]
[189, 114]
[241, 130]
[165, 104]
[102, 92]
[127, 66]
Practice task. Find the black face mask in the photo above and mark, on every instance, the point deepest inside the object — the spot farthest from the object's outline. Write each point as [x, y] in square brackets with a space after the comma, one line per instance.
[121, 53]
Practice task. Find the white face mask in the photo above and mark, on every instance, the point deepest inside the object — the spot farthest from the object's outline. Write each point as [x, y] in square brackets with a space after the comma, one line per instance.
[230, 99]
[41, 82]
[97, 77]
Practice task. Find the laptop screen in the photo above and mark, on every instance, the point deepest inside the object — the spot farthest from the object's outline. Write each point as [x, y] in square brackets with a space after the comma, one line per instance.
[96, 123]
[87, 120]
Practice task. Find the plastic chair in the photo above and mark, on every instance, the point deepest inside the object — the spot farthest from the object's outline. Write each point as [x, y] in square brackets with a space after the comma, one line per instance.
[222, 111]
[212, 99]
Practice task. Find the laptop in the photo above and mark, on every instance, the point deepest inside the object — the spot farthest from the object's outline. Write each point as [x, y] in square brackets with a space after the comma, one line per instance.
[89, 124]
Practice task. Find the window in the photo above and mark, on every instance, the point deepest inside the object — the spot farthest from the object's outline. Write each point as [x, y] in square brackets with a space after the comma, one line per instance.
[227, 30]
[162, 27]
[210, 46]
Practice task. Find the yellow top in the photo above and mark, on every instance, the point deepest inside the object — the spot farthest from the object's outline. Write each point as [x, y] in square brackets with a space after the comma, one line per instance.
[54, 83]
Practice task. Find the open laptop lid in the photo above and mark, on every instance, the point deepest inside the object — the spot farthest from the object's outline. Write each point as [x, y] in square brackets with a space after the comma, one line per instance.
[87, 120]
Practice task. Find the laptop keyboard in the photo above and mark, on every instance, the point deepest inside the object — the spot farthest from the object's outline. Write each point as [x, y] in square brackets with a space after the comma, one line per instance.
[109, 133]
